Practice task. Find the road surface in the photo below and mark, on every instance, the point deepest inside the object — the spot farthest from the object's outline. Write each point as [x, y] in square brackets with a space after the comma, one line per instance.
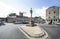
[52, 30]
[10, 31]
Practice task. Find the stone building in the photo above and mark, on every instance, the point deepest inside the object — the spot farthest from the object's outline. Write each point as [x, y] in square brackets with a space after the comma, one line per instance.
[52, 14]
[38, 20]
[11, 17]
[19, 18]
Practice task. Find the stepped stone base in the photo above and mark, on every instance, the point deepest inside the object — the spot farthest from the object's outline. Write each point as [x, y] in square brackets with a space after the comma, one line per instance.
[34, 32]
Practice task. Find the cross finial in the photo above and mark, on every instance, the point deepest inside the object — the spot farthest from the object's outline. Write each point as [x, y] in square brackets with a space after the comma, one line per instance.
[31, 10]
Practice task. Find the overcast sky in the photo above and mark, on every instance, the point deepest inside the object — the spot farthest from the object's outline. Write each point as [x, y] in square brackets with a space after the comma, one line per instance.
[14, 6]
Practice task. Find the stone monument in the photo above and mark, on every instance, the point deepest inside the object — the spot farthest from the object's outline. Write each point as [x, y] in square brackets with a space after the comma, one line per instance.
[31, 23]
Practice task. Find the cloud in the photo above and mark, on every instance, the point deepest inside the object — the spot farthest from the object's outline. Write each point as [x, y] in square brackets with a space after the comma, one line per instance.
[38, 12]
[41, 12]
[6, 9]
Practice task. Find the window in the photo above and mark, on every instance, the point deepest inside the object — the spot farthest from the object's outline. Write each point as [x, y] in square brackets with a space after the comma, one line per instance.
[49, 20]
[49, 17]
[54, 12]
[54, 19]
[49, 12]
[54, 16]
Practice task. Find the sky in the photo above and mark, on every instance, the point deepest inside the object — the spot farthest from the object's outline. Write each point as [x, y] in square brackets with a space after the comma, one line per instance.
[15, 6]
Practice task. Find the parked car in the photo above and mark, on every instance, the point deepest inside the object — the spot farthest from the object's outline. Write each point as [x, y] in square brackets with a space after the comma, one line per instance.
[25, 22]
[17, 22]
[58, 23]
[21, 22]
[1, 23]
